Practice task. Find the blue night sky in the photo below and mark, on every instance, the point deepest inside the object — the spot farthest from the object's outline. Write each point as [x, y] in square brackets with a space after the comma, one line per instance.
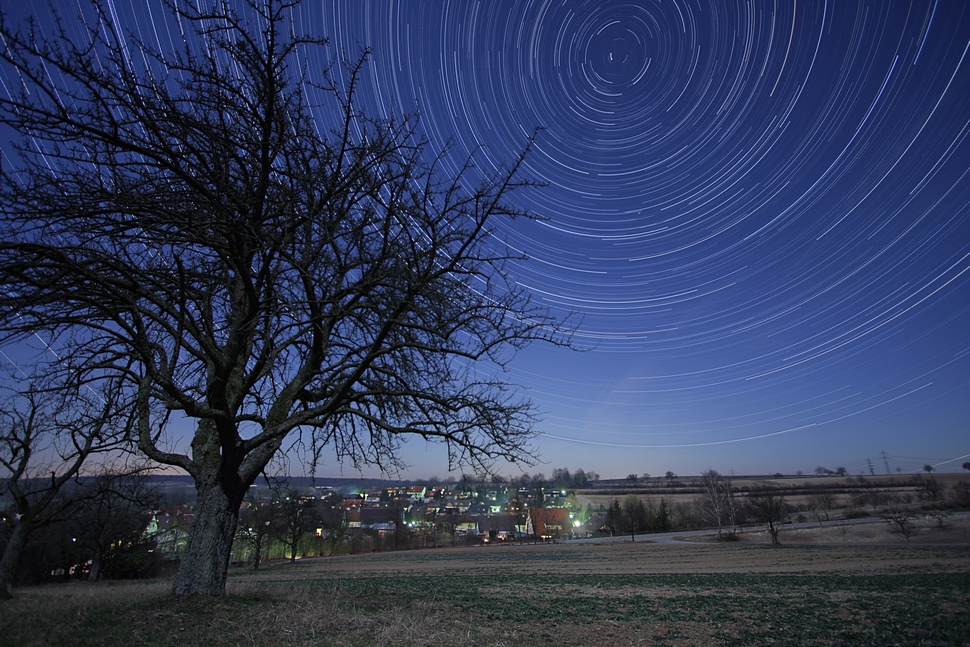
[757, 213]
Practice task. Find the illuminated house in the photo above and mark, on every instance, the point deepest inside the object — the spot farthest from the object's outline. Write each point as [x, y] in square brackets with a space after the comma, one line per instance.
[380, 519]
[551, 524]
[417, 493]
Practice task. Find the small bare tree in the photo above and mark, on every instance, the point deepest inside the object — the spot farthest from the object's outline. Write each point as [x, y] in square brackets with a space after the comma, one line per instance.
[767, 505]
[900, 520]
[249, 251]
[821, 503]
[48, 432]
[293, 518]
[254, 529]
[716, 499]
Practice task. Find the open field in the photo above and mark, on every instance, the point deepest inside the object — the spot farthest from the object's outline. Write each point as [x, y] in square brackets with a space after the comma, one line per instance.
[797, 489]
[835, 586]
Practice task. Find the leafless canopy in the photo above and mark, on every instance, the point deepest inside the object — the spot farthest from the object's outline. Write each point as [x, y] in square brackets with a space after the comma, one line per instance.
[181, 219]
[51, 434]
[248, 250]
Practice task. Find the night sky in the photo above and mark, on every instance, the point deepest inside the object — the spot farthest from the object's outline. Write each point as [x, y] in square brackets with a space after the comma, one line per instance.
[757, 213]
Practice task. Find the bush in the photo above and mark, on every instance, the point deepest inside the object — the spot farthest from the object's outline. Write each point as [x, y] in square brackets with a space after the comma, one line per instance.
[135, 562]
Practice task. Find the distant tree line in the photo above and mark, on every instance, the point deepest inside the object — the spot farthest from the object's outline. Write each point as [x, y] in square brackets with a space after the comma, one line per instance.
[563, 478]
[718, 505]
[824, 471]
[632, 516]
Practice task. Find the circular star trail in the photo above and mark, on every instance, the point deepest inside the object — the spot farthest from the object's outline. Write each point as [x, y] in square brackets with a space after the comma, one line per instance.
[755, 212]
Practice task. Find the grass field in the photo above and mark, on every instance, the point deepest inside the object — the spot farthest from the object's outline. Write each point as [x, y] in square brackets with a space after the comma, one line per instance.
[807, 592]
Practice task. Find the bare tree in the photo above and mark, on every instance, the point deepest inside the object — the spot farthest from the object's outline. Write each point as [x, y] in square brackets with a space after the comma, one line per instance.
[47, 434]
[292, 519]
[561, 477]
[635, 515]
[767, 505]
[821, 504]
[868, 493]
[718, 503]
[254, 529]
[715, 499]
[614, 522]
[187, 220]
[900, 520]
[660, 516]
[930, 489]
[334, 522]
[733, 505]
[111, 518]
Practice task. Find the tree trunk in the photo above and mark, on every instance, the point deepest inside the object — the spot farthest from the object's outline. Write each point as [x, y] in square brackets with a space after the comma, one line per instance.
[773, 530]
[95, 573]
[205, 564]
[11, 558]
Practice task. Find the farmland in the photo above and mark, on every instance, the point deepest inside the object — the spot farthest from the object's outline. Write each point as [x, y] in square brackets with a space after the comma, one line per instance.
[825, 586]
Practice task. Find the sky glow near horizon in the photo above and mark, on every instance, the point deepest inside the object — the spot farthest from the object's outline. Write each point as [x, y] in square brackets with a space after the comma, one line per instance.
[759, 214]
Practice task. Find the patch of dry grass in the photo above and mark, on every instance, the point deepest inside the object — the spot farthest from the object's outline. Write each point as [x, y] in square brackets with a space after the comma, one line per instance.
[573, 594]
[253, 612]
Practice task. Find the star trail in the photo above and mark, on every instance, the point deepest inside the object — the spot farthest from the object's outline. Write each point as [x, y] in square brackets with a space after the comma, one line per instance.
[757, 214]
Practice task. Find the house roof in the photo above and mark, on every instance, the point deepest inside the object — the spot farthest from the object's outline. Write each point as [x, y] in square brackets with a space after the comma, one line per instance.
[372, 516]
[548, 520]
[497, 523]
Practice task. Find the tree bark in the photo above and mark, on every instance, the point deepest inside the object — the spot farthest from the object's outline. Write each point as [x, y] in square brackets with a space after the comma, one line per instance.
[11, 558]
[95, 573]
[205, 564]
[259, 555]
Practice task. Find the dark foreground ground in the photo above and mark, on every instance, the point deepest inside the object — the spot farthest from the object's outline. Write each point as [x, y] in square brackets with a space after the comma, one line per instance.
[855, 586]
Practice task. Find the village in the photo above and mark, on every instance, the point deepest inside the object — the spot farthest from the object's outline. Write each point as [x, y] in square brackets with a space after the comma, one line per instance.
[291, 523]
[286, 521]
[139, 527]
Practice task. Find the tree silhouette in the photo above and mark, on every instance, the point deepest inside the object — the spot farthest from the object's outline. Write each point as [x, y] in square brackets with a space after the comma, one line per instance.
[186, 222]
[635, 515]
[767, 505]
[110, 521]
[48, 431]
[254, 529]
[715, 499]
